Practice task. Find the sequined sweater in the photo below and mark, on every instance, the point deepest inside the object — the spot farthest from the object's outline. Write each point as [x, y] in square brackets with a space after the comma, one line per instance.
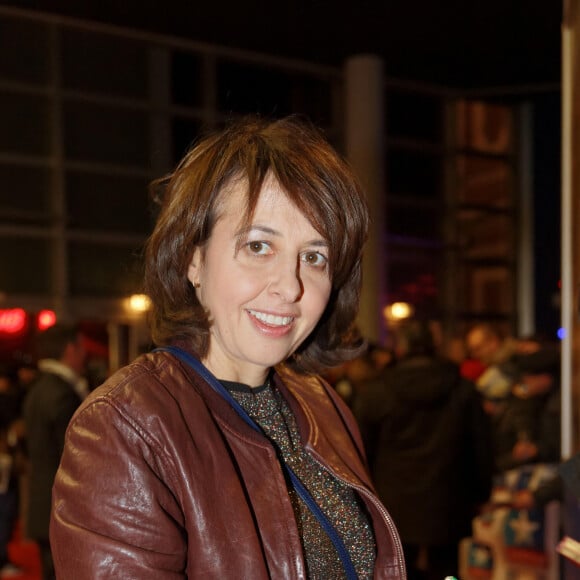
[341, 505]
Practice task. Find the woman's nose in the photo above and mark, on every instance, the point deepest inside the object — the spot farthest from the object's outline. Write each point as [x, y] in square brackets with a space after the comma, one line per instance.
[286, 281]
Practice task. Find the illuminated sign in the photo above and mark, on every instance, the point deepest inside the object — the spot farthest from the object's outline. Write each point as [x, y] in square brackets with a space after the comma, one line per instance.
[13, 320]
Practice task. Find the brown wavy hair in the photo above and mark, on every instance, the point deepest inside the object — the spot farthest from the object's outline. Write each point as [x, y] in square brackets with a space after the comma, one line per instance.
[314, 177]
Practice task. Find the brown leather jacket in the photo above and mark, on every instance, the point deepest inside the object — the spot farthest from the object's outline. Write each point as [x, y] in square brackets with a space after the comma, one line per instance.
[161, 479]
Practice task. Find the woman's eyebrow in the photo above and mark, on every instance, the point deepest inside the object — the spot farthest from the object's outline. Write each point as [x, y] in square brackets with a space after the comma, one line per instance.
[257, 227]
[319, 242]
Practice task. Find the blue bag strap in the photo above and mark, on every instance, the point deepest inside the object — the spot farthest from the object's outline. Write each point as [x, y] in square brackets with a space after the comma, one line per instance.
[297, 484]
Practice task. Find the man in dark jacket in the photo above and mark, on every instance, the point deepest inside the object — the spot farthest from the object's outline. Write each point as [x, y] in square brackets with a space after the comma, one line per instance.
[429, 450]
[51, 401]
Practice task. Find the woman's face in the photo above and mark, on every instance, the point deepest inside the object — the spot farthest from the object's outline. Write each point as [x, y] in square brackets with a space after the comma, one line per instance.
[264, 286]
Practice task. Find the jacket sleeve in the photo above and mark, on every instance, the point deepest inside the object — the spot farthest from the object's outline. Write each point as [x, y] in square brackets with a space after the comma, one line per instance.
[114, 515]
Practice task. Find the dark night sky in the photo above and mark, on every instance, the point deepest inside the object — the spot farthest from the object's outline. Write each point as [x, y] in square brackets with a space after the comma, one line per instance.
[473, 44]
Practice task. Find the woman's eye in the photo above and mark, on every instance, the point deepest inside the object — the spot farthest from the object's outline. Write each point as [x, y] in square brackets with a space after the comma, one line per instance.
[315, 259]
[260, 248]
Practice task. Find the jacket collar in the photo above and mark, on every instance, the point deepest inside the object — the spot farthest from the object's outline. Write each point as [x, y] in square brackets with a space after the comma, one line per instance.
[328, 430]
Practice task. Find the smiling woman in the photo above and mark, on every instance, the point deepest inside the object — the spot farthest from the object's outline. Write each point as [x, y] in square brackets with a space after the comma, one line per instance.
[221, 454]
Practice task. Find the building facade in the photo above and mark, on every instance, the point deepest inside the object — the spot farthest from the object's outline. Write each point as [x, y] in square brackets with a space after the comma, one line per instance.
[90, 114]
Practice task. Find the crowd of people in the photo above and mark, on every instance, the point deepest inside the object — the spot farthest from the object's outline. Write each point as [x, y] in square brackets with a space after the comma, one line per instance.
[428, 444]
[436, 427]
[11, 399]
[37, 402]
[440, 422]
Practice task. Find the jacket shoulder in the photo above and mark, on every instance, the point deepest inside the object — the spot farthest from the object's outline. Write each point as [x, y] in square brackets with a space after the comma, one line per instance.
[148, 371]
[147, 389]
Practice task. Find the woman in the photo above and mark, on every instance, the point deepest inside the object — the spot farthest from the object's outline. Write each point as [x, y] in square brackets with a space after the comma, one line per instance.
[222, 454]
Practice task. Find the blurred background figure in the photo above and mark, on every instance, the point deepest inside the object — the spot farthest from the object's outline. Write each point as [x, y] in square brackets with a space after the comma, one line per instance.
[489, 345]
[527, 426]
[489, 348]
[350, 379]
[10, 412]
[429, 450]
[26, 372]
[455, 349]
[51, 400]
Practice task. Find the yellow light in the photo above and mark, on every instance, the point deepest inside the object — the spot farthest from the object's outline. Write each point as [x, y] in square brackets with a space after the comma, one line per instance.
[398, 311]
[139, 303]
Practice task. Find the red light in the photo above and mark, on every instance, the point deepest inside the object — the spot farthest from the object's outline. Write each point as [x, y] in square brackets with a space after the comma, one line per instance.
[46, 319]
[12, 320]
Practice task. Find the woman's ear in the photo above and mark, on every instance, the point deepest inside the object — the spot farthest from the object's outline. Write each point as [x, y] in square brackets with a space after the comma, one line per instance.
[194, 269]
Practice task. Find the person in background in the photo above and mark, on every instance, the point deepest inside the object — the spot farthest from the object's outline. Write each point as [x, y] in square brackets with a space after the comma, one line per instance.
[492, 350]
[429, 449]
[222, 454]
[10, 411]
[26, 372]
[381, 356]
[489, 345]
[350, 379]
[455, 349]
[51, 400]
[527, 429]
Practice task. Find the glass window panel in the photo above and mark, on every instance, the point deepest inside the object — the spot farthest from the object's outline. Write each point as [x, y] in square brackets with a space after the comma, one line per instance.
[244, 88]
[26, 126]
[104, 64]
[186, 88]
[249, 89]
[485, 236]
[24, 265]
[412, 173]
[484, 127]
[489, 290]
[99, 270]
[313, 98]
[25, 189]
[108, 202]
[414, 116]
[106, 134]
[418, 222]
[30, 41]
[412, 277]
[184, 134]
[484, 181]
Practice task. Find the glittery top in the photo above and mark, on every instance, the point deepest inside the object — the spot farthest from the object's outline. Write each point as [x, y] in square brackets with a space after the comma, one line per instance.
[338, 501]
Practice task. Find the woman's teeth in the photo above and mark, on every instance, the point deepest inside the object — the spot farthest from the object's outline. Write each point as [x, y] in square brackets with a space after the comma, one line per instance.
[270, 319]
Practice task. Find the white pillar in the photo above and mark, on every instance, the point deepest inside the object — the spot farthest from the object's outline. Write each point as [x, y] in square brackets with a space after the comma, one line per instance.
[570, 306]
[525, 258]
[365, 149]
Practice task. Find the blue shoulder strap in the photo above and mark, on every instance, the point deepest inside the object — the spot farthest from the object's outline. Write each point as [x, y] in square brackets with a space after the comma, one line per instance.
[297, 484]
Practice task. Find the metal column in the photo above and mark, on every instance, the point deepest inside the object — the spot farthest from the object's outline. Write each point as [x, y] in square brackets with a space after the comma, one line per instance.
[365, 149]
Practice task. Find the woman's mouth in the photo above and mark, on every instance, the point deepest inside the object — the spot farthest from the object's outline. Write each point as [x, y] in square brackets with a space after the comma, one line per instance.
[271, 319]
